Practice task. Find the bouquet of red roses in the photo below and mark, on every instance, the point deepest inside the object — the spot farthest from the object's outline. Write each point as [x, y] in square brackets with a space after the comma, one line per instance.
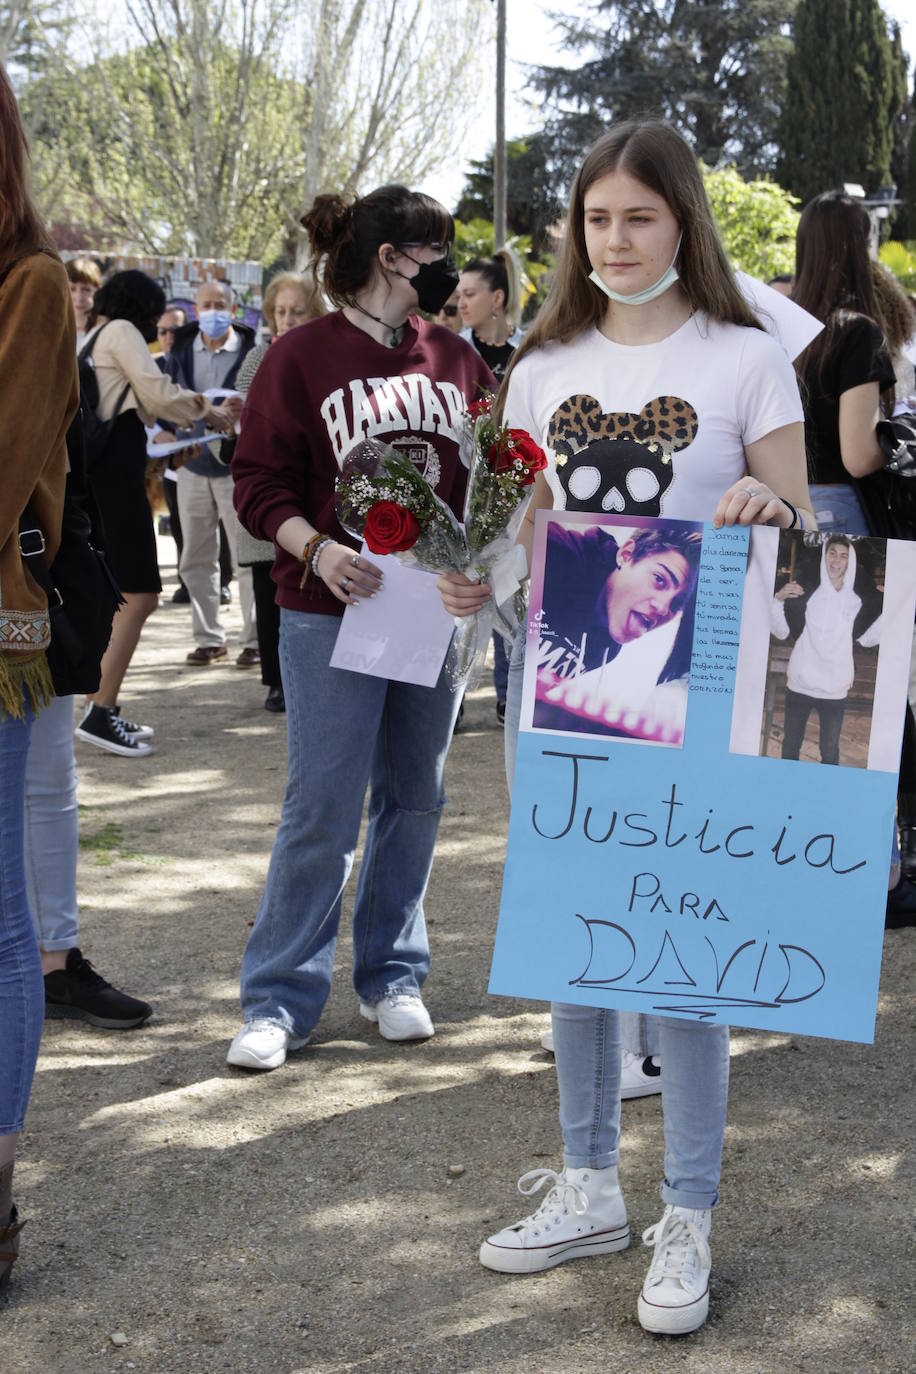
[502, 464]
[382, 498]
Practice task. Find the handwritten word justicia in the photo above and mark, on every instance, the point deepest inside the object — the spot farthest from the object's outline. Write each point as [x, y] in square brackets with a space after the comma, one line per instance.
[672, 826]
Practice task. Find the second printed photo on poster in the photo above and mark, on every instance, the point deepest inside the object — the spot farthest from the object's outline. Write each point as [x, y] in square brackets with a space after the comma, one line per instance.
[822, 616]
[614, 607]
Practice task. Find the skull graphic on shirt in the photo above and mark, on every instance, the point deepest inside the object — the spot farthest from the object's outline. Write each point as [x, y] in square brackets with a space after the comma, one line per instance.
[619, 463]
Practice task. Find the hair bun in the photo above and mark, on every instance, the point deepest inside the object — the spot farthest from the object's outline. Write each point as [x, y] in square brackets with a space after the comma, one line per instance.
[328, 222]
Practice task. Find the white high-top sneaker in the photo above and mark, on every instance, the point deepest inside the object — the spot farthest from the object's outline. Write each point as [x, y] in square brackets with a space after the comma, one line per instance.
[675, 1295]
[582, 1214]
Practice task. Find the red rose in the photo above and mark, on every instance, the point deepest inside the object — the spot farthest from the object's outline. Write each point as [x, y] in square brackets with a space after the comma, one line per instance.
[390, 528]
[478, 408]
[524, 447]
[514, 447]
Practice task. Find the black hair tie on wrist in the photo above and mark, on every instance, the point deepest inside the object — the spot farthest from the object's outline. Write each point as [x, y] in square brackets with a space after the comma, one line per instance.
[794, 513]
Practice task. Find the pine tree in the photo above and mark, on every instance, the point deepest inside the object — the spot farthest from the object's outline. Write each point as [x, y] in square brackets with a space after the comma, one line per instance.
[531, 207]
[841, 100]
[714, 68]
[905, 224]
[902, 223]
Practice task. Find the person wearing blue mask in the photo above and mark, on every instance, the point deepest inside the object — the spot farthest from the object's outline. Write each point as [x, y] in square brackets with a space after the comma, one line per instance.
[207, 354]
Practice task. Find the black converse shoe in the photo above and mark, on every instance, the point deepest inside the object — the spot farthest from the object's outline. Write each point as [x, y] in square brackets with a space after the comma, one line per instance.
[138, 731]
[102, 726]
[78, 991]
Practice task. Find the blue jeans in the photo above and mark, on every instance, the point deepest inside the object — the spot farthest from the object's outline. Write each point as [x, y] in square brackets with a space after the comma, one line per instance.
[51, 827]
[837, 509]
[346, 731]
[587, 1045]
[22, 991]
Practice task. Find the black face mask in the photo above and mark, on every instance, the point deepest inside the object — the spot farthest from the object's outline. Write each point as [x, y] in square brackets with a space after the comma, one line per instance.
[434, 282]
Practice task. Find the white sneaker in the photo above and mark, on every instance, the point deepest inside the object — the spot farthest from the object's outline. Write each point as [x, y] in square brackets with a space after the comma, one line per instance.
[583, 1214]
[547, 1041]
[675, 1295]
[400, 1016]
[639, 1077]
[262, 1044]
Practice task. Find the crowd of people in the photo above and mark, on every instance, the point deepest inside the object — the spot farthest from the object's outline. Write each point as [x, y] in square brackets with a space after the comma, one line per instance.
[386, 335]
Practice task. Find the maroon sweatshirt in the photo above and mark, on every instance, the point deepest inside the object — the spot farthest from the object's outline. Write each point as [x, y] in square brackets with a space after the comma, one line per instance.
[321, 389]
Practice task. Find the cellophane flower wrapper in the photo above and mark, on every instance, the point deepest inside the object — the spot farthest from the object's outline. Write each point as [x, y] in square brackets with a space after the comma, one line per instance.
[374, 472]
[494, 508]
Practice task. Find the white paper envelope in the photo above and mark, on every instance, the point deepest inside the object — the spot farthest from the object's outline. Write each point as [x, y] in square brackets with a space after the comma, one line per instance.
[402, 634]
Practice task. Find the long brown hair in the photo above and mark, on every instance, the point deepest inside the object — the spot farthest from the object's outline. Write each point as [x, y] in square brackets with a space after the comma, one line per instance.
[21, 229]
[655, 154]
[833, 272]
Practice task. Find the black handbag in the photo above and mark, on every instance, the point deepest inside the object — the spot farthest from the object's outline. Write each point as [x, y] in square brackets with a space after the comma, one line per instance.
[82, 593]
[888, 496]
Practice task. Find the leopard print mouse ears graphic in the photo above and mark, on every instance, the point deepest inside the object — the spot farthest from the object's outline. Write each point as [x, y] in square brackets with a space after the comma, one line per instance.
[664, 426]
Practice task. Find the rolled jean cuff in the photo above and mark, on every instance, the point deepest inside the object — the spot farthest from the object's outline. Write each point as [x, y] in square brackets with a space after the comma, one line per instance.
[407, 987]
[678, 1197]
[605, 1161]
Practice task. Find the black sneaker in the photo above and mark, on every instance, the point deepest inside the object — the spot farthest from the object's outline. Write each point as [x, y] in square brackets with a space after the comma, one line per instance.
[138, 731]
[181, 596]
[102, 726]
[225, 596]
[78, 991]
[501, 712]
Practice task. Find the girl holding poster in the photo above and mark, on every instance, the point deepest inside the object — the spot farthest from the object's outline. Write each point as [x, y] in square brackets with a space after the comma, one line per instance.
[656, 392]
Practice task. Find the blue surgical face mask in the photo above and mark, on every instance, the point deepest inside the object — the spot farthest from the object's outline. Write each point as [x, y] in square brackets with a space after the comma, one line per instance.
[215, 323]
[658, 288]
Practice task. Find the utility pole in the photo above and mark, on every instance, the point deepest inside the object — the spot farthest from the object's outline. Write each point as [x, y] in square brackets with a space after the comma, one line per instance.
[499, 151]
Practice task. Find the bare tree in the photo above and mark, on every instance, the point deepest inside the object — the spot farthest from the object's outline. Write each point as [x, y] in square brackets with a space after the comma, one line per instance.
[206, 125]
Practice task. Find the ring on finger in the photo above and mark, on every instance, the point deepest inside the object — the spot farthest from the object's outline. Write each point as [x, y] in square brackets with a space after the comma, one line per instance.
[355, 560]
[749, 491]
[344, 583]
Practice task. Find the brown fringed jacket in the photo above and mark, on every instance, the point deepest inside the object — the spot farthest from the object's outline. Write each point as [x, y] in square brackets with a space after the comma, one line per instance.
[39, 395]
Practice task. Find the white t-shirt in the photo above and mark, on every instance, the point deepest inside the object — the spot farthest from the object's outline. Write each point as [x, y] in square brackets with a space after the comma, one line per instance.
[657, 429]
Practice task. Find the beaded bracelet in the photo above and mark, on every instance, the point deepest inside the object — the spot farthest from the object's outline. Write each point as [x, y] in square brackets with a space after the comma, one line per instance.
[309, 555]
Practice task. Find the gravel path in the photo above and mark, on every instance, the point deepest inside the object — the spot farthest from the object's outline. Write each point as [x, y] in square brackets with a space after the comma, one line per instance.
[325, 1218]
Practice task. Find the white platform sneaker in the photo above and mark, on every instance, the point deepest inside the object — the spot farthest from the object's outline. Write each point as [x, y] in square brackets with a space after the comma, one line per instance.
[262, 1044]
[399, 1016]
[582, 1214]
[675, 1296]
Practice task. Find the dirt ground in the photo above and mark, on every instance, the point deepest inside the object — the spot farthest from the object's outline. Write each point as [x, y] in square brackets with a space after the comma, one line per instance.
[185, 1218]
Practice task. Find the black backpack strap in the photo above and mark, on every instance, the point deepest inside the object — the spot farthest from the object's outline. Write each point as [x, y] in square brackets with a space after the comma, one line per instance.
[86, 353]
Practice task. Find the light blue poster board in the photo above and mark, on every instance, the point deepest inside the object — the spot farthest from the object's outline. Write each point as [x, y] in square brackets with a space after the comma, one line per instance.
[693, 877]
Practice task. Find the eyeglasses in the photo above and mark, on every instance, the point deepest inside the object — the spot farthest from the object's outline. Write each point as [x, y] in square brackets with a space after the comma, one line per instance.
[443, 248]
[450, 310]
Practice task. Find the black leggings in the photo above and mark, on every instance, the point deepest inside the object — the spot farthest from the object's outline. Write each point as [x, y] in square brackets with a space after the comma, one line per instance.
[267, 613]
